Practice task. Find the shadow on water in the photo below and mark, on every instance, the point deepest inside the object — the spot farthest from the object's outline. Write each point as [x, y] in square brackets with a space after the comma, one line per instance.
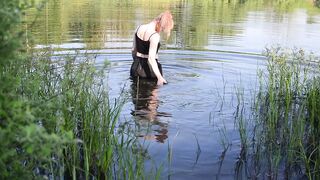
[144, 95]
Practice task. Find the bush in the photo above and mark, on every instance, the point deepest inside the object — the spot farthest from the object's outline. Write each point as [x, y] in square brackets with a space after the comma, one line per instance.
[27, 149]
[56, 120]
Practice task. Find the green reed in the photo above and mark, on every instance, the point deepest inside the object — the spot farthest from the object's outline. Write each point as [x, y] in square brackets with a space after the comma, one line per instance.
[286, 114]
[71, 97]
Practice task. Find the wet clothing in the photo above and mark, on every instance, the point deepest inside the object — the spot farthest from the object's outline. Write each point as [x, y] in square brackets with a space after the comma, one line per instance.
[143, 46]
[140, 66]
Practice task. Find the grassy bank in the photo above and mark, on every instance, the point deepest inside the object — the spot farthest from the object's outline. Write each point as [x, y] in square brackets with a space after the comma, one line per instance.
[56, 118]
[284, 139]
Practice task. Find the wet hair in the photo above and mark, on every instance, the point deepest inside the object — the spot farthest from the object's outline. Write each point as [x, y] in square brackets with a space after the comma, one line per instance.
[165, 21]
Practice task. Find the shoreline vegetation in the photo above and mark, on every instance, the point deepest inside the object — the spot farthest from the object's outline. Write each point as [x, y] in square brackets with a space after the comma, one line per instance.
[57, 121]
[282, 138]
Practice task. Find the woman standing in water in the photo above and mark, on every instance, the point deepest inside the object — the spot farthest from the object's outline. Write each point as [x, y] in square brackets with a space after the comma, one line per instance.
[146, 44]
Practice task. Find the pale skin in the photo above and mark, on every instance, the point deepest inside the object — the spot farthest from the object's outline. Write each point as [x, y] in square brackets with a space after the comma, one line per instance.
[144, 32]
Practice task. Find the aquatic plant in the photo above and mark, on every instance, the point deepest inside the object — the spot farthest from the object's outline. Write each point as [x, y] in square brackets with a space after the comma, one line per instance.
[286, 117]
[73, 98]
[56, 118]
[26, 146]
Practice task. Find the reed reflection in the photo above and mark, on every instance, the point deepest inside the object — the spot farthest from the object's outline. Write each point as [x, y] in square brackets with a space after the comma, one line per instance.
[145, 99]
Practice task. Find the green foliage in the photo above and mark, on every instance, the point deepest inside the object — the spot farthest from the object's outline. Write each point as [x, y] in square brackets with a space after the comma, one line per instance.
[10, 38]
[286, 116]
[27, 148]
[56, 119]
[317, 3]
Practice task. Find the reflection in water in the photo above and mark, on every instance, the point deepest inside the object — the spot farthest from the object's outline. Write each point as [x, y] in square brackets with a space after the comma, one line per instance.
[145, 99]
[208, 25]
[246, 26]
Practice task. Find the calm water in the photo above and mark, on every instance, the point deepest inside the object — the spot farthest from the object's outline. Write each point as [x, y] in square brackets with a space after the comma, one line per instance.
[213, 53]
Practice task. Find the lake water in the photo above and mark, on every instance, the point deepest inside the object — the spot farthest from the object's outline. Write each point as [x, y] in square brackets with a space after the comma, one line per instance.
[212, 56]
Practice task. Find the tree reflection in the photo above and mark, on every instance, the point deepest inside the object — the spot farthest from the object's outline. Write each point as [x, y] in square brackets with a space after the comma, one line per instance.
[145, 99]
[101, 24]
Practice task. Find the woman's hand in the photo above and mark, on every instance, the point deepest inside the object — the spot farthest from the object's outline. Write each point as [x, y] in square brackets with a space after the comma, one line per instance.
[161, 81]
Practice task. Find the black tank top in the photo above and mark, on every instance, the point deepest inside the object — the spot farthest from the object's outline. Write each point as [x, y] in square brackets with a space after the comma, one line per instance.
[143, 46]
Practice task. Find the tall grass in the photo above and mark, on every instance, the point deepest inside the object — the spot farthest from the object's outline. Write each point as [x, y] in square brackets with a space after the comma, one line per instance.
[56, 118]
[26, 146]
[74, 99]
[285, 137]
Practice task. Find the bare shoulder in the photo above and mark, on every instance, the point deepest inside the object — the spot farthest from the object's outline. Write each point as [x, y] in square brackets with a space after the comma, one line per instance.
[155, 38]
[141, 30]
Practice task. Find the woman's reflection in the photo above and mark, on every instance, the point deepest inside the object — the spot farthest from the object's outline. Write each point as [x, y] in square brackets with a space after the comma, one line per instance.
[145, 99]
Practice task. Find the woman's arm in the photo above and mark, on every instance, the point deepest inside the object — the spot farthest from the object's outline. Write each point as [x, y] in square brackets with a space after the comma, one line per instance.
[154, 40]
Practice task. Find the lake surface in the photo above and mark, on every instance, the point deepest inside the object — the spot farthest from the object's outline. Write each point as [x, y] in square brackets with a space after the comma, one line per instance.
[210, 60]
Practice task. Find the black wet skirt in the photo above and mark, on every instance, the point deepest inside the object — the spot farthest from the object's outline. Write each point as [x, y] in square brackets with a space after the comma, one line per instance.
[140, 67]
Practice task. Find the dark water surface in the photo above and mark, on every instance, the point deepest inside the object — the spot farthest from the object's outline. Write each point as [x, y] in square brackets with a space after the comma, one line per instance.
[210, 60]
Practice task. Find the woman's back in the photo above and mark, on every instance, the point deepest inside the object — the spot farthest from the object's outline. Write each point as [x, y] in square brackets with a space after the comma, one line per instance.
[145, 31]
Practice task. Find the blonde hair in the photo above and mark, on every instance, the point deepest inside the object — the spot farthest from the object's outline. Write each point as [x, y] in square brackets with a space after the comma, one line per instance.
[165, 21]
